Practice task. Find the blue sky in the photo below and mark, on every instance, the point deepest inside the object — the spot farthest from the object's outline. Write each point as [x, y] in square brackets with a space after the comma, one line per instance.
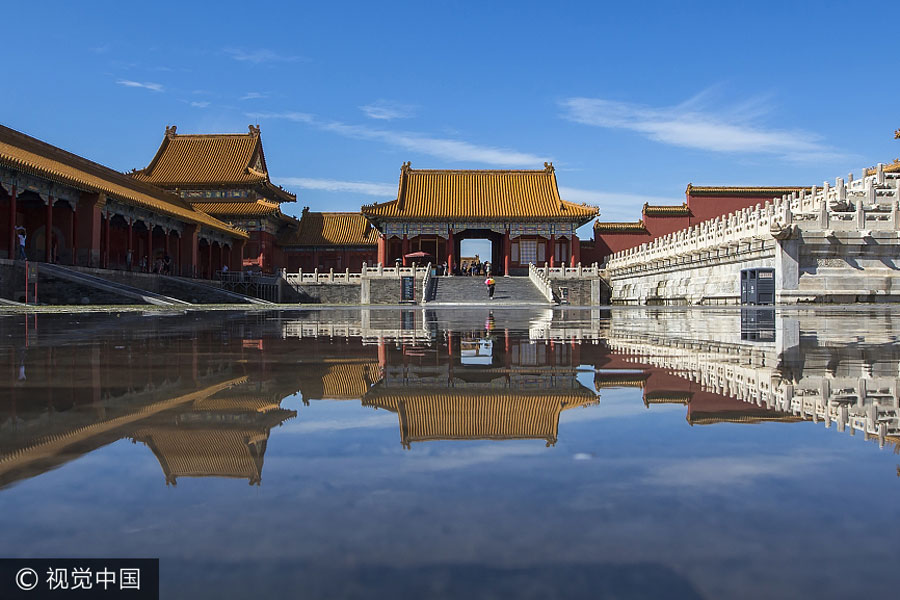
[631, 101]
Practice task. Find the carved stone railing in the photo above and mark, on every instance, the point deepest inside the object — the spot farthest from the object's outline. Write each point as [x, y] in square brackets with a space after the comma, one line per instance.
[541, 281]
[573, 272]
[346, 277]
[865, 205]
[426, 281]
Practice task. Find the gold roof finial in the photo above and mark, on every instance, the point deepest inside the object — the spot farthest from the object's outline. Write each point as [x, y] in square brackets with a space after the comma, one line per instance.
[897, 135]
[170, 131]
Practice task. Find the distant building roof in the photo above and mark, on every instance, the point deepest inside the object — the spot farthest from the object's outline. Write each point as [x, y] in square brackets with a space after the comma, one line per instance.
[762, 191]
[677, 210]
[259, 208]
[893, 167]
[25, 153]
[331, 229]
[471, 194]
[634, 227]
[205, 160]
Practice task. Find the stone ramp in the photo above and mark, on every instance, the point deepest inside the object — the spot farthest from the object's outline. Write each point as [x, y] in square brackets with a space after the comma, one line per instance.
[207, 293]
[462, 290]
[109, 289]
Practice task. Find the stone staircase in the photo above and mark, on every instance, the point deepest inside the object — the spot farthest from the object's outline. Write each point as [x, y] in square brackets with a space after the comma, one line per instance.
[509, 291]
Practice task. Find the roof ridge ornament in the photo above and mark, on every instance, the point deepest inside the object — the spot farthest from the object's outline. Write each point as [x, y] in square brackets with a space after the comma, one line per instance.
[897, 134]
[170, 131]
[254, 129]
[548, 166]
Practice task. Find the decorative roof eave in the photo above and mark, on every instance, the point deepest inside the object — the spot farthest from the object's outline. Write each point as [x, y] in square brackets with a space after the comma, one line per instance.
[681, 210]
[629, 227]
[762, 191]
[893, 167]
[109, 182]
[375, 218]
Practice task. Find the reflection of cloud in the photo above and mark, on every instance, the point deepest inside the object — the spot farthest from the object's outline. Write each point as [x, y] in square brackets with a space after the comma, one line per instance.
[430, 457]
[730, 470]
[692, 124]
[384, 190]
[154, 87]
[447, 149]
[363, 422]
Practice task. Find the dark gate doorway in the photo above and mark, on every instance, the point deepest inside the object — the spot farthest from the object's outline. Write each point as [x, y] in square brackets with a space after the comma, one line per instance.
[496, 252]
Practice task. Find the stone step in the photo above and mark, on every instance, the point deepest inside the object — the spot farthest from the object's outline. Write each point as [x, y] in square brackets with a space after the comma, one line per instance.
[472, 290]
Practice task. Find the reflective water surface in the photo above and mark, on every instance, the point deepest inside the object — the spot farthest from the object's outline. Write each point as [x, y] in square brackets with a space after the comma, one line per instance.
[634, 453]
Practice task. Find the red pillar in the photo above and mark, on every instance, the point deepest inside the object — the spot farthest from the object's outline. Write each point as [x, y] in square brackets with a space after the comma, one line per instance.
[106, 247]
[576, 249]
[75, 234]
[90, 219]
[189, 248]
[450, 250]
[405, 248]
[166, 253]
[48, 231]
[178, 268]
[209, 265]
[551, 249]
[130, 254]
[149, 247]
[506, 252]
[238, 263]
[382, 249]
[12, 224]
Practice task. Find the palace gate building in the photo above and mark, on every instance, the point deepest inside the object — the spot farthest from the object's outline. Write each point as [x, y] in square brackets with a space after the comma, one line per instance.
[78, 212]
[520, 212]
[225, 175]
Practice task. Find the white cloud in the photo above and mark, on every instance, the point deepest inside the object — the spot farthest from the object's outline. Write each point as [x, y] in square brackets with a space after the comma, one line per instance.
[387, 110]
[447, 149]
[253, 96]
[259, 55]
[155, 87]
[385, 190]
[202, 104]
[692, 124]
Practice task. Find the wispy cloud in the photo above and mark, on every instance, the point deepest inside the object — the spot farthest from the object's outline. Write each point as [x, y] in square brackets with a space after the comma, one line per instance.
[260, 55]
[254, 96]
[203, 104]
[444, 148]
[384, 190]
[693, 124]
[387, 110]
[155, 87]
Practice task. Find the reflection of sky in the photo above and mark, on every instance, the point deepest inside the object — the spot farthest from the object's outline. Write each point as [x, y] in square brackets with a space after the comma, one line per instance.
[728, 510]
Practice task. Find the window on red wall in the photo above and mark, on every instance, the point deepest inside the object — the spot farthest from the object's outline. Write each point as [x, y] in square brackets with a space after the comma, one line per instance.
[514, 252]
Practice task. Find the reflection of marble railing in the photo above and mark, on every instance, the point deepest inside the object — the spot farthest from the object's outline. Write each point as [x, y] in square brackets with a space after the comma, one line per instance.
[820, 383]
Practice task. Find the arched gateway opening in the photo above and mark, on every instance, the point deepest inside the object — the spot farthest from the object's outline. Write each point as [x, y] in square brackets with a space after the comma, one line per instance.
[479, 245]
[519, 212]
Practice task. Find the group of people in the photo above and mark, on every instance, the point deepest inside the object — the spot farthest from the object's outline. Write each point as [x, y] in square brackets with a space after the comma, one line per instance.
[468, 268]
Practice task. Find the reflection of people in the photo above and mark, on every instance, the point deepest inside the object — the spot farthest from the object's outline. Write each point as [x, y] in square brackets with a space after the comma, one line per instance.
[21, 374]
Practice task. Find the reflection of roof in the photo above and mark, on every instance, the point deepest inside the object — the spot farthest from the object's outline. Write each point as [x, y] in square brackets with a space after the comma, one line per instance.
[609, 380]
[339, 381]
[25, 153]
[259, 208]
[667, 397]
[763, 191]
[210, 159]
[428, 194]
[332, 229]
[762, 416]
[467, 415]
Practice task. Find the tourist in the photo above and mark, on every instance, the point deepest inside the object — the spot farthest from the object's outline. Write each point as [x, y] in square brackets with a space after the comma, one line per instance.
[489, 282]
[21, 237]
[167, 265]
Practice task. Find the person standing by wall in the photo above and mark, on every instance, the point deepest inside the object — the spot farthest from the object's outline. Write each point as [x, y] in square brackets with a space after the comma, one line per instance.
[20, 236]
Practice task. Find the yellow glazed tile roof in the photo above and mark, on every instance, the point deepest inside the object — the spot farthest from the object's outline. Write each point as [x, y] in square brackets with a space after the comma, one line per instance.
[677, 210]
[893, 167]
[205, 160]
[635, 227]
[30, 155]
[435, 194]
[332, 229]
[259, 208]
[763, 191]
[461, 415]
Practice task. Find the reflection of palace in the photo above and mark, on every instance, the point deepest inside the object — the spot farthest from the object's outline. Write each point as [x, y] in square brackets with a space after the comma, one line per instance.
[707, 364]
[202, 413]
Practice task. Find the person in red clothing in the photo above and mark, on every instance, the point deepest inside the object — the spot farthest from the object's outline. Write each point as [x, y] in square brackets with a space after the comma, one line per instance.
[489, 282]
